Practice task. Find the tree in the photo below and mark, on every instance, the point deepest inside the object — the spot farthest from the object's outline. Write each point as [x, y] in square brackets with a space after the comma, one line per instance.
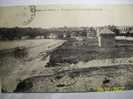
[114, 29]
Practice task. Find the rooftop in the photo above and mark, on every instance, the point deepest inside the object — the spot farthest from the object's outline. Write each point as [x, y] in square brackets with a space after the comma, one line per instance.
[106, 31]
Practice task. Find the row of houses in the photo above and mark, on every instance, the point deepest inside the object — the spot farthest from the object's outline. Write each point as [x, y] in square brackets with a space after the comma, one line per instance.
[64, 35]
[80, 33]
[125, 29]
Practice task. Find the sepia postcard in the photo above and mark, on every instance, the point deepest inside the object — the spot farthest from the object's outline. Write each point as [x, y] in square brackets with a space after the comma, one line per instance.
[66, 48]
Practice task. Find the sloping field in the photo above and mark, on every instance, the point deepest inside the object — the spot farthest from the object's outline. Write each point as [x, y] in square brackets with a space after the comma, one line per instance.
[13, 69]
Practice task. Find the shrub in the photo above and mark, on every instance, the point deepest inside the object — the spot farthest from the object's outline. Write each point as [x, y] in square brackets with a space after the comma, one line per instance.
[24, 86]
[20, 52]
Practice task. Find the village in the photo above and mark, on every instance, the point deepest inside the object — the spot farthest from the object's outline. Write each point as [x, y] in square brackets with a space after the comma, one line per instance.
[17, 33]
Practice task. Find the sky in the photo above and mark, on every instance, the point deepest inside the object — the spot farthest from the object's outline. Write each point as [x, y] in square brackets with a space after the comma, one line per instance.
[66, 15]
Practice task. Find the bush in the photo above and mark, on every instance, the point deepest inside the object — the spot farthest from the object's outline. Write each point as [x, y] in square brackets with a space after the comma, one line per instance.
[20, 52]
[24, 86]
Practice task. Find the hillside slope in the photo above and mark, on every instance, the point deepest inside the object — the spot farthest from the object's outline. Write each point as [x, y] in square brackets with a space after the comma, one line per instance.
[15, 68]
